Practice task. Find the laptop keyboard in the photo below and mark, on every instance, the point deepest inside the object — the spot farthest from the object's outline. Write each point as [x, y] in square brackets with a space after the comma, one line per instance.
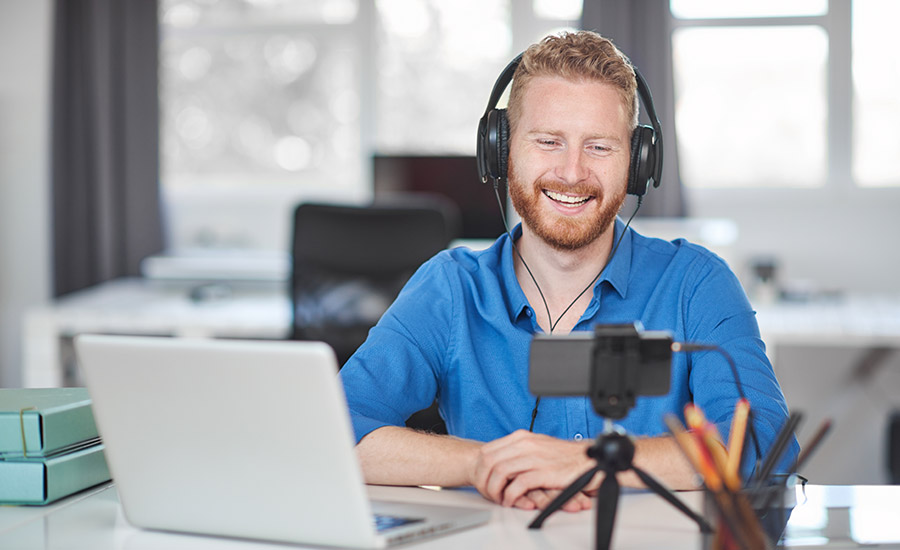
[384, 522]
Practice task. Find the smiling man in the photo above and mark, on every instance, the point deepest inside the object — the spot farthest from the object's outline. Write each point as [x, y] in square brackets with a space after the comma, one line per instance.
[460, 330]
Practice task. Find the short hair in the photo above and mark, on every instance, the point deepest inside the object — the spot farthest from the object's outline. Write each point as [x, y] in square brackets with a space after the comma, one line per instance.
[581, 55]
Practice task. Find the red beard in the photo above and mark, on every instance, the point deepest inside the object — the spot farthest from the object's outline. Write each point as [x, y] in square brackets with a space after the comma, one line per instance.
[563, 232]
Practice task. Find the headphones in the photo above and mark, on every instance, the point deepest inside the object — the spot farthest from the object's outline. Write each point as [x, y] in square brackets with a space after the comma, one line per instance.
[493, 139]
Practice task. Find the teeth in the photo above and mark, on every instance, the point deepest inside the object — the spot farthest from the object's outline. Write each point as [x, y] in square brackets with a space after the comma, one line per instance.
[566, 199]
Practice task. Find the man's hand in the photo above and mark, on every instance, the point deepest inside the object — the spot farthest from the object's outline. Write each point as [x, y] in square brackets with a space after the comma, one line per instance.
[539, 499]
[528, 470]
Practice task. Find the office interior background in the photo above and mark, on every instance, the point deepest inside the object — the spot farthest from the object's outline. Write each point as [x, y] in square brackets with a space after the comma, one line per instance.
[780, 118]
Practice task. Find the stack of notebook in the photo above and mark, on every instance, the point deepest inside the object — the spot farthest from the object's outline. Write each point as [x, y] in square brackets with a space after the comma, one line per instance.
[49, 445]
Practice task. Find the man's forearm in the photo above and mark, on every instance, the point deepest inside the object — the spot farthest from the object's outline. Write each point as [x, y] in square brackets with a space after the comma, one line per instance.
[393, 455]
[400, 456]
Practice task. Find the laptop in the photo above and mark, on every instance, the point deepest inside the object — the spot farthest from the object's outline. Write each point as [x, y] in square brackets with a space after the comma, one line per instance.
[248, 439]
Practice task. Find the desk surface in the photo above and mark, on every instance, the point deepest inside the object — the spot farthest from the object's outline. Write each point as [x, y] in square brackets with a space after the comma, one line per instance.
[853, 320]
[143, 306]
[94, 520]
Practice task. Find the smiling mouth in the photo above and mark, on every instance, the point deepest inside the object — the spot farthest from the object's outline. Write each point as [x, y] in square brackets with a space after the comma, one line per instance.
[567, 200]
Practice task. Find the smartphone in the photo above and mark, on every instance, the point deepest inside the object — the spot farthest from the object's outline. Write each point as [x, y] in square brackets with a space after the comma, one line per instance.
[620, 358]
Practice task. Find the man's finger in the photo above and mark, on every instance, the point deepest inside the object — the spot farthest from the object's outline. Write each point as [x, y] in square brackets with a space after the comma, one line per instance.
[578, 503]
[541, 497]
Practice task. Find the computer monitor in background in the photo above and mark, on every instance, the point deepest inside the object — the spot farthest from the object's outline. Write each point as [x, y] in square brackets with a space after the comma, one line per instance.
[455, 177]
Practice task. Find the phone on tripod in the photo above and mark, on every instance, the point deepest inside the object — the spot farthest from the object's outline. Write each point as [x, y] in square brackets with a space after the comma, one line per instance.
[612, 364]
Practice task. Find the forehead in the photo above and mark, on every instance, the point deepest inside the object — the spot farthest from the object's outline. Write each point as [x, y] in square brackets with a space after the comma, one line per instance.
[550, 101]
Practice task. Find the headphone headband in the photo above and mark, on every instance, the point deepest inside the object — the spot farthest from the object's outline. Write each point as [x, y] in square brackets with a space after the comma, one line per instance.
[502, 82]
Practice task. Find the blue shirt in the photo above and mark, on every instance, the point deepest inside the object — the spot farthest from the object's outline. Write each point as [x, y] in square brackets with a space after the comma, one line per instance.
[461, 329]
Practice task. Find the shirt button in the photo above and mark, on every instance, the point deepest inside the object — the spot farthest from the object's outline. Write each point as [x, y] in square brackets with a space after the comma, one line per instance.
[578, 437]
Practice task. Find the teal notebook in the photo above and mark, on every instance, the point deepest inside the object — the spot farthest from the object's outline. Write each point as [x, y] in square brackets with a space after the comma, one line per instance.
[47, 420]
[43, 480]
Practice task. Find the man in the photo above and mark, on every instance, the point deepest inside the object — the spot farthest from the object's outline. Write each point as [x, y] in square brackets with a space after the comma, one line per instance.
[461, 328]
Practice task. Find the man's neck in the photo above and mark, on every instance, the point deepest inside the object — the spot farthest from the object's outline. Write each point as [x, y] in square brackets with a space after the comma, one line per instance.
[562, 275]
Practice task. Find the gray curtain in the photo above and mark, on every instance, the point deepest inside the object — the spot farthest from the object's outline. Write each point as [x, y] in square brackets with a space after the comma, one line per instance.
[105, 172]
[640, 28]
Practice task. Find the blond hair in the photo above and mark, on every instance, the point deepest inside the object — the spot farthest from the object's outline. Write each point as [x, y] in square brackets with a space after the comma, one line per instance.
[581, 55]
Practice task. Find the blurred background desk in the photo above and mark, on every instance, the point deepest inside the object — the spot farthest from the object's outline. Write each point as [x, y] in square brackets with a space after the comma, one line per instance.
[213, 294]
[865, 320]
[262, 309]
[244, 309]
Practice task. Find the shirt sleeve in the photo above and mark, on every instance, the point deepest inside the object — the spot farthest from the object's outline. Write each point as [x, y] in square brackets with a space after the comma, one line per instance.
[719, 313]
[396, 371]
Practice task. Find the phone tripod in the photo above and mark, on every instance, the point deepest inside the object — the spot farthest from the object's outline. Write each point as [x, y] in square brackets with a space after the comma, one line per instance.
[614, 453]
[620, 359]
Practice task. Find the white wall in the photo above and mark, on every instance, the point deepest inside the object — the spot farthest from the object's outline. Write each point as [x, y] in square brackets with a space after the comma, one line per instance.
[25, 48]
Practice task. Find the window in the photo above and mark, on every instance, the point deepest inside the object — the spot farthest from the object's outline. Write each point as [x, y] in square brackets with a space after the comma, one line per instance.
[876, 102]
[788, 94]
[268, 102]
[261, 90]
[260, 105]
[751, 106]
[716, 9]
[435, 65]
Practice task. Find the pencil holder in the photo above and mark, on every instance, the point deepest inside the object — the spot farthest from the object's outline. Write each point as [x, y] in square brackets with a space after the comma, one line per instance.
[720, 510]
[773, 505]
[752, 518]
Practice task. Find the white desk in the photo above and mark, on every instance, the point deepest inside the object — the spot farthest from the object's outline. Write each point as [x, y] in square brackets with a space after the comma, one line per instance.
[856, 320]
[94, 520]
[263, 310]
[147, 307]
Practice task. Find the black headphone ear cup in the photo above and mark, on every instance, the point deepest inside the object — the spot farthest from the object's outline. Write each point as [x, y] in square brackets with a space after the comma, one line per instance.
[493, 145]
[492, 149]
[482, 153]
[502, 144]
[641, 169]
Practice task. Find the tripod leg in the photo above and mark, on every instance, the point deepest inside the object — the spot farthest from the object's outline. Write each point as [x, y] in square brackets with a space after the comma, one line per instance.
[607, 505]
[563, 497]
[667, 495]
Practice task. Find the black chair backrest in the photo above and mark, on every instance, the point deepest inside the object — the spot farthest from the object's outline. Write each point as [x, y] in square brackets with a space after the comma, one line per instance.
[350, 262]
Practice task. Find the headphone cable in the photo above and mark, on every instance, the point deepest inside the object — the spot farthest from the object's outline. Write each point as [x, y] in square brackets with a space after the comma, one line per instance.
[553, 324]
[689, 347]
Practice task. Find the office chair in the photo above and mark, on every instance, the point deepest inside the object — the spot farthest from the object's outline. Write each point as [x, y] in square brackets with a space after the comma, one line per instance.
[350, 263]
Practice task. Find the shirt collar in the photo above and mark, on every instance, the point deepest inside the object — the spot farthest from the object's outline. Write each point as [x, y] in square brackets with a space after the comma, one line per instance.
[515, 297]
[616, 273]
[618, 270]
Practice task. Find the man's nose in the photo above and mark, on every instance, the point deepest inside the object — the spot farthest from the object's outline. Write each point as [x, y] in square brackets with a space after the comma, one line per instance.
[573, 167]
